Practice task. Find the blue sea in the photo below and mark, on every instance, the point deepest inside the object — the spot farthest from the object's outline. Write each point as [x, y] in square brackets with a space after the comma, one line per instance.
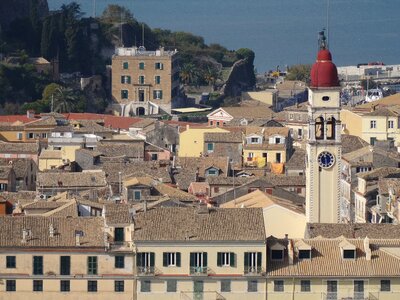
[280, 32]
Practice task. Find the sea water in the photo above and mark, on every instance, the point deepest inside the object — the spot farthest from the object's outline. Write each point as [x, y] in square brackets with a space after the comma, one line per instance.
[280, 32]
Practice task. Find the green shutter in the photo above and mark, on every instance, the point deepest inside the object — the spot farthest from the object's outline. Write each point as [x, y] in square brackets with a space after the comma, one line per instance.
[151, 259]
[232, 259]
[258, 259]
[246, 259]
[192, 259]
[122, 79]
[154, 95]
[129, 79]
[160, 94]
[205, 259]
[139, 260]
[219, 259]
[178, 259]
[165, 256]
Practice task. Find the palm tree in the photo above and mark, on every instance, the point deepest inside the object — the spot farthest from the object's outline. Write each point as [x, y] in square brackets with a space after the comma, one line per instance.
[64, 100]
[188, 73]
[211, 75]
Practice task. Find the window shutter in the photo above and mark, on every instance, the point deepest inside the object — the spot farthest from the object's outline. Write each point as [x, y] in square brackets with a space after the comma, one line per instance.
[232, 259]
[165, 257]
[129, 79]
[161, 66]
[219, 259]
[246, 259]
[151, 259]
[205, 259]
[178, 259]
[122, 79]
[258, 259]
[139, 262]
[192, 259]
[160, 94]
[154, 95]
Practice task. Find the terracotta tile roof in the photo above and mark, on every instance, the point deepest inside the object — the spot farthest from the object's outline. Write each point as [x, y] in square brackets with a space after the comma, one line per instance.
[10, 127]
[386, 101]
[114, 122]
[65, 230]
[199, 224]
[44, 121]
[88, 126]
[43, 204]
[357, 230]
[203, 163]
[380, 173]
[21, 196]
[50, 154]
[117, 214]
[128, 149]
[15, 118]
[69, 209]
[77, 179]
[386, 184]
[297, 160]
[282, 180]
[297, 107]
[351, 143]
[23, 148]
[327, 260]
[249, 112]
[223, 137]
[20, 165]
[383, 111]
[221, 180]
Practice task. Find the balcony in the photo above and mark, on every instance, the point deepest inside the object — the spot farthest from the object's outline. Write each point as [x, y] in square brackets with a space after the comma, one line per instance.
[120, 246]
[199, 271]
[206, 295]
[147, 271]
[253, 271]
[351, 296]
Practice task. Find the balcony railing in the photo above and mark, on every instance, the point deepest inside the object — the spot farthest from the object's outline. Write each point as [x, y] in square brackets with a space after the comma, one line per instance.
[206, 295]
[351, 296]
[253, 271]
[120, 246]
[146, 271]
[199, 271]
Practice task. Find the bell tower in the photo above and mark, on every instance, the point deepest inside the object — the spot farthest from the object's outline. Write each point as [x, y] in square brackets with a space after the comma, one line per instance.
[324, 140]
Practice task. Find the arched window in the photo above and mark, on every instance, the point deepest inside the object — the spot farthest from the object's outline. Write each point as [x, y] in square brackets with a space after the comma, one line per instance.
[319, 128]
[331, 128]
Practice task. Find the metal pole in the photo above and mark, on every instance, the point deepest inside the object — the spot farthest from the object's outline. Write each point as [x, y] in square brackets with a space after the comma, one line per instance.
[119, 183]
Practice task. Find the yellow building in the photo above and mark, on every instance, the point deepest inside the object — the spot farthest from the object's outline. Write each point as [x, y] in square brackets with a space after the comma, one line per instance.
[72, 258]
[50, 159]
[308, 269]
[145, 82]
[200, 253]
[276, 212]
[266, 145]
[191, 140]
[268, 97]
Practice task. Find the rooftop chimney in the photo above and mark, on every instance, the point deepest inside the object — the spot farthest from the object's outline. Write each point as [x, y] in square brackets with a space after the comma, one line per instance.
[25, 234]
[51, 230]
[367, 249]
[290, 252]
[77, 239]
[30, 114]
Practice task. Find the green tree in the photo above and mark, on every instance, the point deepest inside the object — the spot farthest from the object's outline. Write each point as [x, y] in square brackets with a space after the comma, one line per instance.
[211, 75]
[65, 100]
[299, 72]
[189, 73]
[115, 13]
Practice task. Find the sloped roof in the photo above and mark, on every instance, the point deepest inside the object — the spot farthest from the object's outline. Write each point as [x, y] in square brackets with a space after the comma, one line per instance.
[27, 148]
[249, 112]
[223, 137]
[351, 143]
[75, 179]
[65, 228]
[380, 172]
[114, 122]
[199, 224]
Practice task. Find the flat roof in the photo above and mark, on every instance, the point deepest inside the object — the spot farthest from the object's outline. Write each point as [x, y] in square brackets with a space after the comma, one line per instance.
[190, 109]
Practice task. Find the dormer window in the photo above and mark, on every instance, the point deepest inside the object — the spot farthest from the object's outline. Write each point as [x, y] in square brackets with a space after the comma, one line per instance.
[277, 254]
[349, 254]
[304, 254]
[348, 250]
[255, 140]
[277, 140]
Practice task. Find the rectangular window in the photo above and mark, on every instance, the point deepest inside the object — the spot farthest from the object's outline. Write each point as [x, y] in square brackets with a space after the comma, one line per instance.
[225, 286]
[11, 262]
[119, 286]
[145, 286]
[225, 259]
[137, 195]
[349, 254]
[19, 135]
[252, 286]
[126, 79]
[141, 79]
[372, 124]
[210, 147]
[331, 289]
[38, 265]
[254, 140]
[157, 79]
[276, 254]
[299, 133]
[277, 140]
[65, 265]
[38, 285]
[279, 286]
[119, 235]
[11, 285]
[157, 94]
[358, 289]
[154, 156]
[119, 262]
[304, 254]
[171, 259]
[252, 262]
[65, 286]
[124, 94]
[158, 66]
[390, 124]
[125, 65]
[141, 66]
[305, 285]
[30, 135]
[385, 285]
[171, 286]
[92, 265]
[92, 286]
[145, 262]
[198, 263]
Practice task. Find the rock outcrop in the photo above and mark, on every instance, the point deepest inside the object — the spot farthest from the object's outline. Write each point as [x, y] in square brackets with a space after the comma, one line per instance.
[11, 10]
[240, 79]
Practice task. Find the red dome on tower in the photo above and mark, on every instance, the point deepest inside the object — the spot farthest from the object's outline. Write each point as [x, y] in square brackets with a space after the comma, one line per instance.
[324, 72]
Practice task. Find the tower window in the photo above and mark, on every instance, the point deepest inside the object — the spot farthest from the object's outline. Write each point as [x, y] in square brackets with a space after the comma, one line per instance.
[319, 128]
[331, 126]
[325, 98]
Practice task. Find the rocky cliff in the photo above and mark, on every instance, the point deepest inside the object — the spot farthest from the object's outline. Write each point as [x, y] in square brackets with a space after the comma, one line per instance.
[16, 9]
[240, 79]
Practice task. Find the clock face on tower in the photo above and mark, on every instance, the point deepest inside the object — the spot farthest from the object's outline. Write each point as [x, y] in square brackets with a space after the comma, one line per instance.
[326, 159]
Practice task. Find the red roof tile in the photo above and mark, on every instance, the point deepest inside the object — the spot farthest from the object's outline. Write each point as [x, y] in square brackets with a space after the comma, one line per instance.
[15, 118]
[114, 122]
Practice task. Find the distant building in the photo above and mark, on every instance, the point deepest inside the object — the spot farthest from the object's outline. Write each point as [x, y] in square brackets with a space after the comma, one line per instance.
[145, 82]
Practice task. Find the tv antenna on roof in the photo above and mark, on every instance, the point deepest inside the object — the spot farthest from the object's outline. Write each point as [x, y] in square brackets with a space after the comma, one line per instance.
[327, 21]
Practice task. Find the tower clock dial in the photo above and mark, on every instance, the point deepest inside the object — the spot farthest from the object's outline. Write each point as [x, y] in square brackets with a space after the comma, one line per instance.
[326, 159]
